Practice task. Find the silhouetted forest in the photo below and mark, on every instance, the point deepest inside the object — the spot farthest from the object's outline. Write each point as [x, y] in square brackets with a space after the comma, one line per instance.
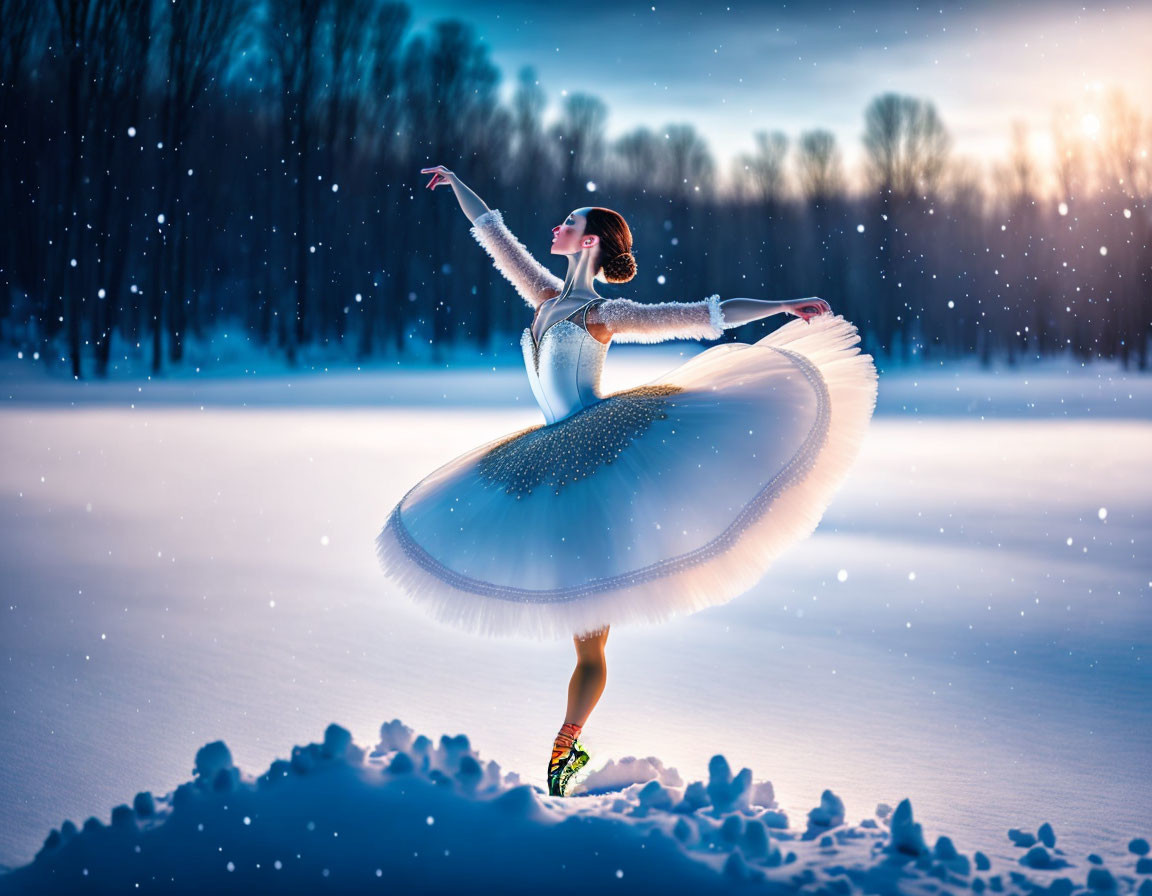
[177, 170]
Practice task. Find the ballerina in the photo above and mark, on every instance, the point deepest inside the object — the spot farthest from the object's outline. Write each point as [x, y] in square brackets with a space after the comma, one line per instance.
[642, 504]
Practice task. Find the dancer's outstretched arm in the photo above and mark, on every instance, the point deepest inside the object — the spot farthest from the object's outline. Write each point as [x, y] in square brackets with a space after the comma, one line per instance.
[630, 321]
[532, 280]
[742, 311]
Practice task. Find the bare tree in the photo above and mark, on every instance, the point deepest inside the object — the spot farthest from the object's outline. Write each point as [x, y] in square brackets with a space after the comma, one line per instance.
[579, 136]
[294, 40]
[78, 24]
[383, 308]
[381, 102]
[118, 70]
[197, 39]
[819, 167]
[345, 49]
[528, 104]
[462, 81]
[906, 145]
[906, 152]
[819, 174]
[1072, 174]
[1017, 180]
[764, 170]
[1122, 149]
[1126, 176]
[20, 19]
[763, 180]
[491, 145]
[637, 155]
[1016, 193]
[460, 96]
[690, 166]
[104, 45]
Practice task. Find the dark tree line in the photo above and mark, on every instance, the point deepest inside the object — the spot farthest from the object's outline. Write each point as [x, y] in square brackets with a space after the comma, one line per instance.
[176, 171]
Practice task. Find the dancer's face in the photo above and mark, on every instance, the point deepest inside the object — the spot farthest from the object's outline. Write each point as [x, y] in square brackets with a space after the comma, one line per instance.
[568, 238]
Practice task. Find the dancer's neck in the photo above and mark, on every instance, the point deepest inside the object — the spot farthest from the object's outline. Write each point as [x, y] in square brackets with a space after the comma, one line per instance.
[581, 274]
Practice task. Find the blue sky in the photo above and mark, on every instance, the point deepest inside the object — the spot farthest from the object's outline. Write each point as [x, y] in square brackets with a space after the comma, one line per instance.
[733, 68]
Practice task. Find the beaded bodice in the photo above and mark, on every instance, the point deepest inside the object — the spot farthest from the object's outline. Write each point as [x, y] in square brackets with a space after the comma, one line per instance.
[564, 368]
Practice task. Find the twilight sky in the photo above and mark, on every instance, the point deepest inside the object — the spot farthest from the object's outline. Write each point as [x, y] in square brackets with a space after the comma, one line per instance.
[732, 68]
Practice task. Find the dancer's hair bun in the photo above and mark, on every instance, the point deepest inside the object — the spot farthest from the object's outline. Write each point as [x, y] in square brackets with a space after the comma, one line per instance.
[617, 265]
[620, 269]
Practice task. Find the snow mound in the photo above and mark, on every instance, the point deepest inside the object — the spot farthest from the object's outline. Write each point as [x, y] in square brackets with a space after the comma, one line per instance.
[620, 774]
[411, 815]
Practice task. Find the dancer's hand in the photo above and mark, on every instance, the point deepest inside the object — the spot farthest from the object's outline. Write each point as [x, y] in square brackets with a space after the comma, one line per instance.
[441, 176]
[809, 308]
[471, 204]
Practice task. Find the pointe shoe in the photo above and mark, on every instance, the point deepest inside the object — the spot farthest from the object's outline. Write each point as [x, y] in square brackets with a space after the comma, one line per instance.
[564, 766]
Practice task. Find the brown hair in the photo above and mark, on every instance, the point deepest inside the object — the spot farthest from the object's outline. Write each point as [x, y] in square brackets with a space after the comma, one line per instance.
[616, 257]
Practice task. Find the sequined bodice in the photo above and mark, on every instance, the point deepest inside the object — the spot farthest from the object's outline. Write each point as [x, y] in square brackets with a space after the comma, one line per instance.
[564, 370]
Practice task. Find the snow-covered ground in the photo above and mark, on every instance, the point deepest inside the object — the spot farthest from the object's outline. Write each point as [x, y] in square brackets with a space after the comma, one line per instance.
[190, 560]
[419, 816]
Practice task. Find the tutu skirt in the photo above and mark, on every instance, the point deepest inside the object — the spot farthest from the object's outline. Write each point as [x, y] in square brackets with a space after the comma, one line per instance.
[658, 500]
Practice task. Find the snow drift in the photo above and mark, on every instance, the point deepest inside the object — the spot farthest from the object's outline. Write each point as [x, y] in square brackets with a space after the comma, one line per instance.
[411, 815]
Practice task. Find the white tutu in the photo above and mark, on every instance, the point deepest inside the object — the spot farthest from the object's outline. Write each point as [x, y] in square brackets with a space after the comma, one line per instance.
[654, 501]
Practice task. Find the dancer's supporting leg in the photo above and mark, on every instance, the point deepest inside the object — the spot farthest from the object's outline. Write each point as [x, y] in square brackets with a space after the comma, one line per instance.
[584, 691]
[588, 679]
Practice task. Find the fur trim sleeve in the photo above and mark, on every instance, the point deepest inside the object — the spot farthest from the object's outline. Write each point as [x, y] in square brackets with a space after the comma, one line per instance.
[630, 321]
[532, 280]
